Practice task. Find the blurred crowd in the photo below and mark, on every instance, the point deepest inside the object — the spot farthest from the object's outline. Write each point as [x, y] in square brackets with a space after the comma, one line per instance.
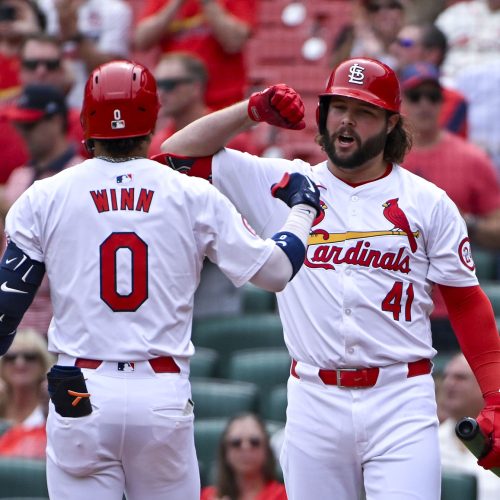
[207, 54]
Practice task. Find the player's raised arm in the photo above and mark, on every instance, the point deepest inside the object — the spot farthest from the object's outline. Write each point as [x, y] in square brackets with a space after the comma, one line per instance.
[302, 195]
[277, 105]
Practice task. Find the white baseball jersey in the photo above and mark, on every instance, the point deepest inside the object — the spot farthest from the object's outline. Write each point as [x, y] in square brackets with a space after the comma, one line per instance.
[123, 244]
[363, 296]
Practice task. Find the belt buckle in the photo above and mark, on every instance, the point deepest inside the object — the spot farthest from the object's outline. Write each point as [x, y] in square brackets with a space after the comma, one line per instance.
[339, 371]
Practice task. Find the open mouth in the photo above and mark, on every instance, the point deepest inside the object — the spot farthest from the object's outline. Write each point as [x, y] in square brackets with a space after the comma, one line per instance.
[345, 140]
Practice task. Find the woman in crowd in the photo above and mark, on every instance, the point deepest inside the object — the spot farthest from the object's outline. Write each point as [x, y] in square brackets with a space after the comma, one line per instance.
[246, 467]
[23, 396]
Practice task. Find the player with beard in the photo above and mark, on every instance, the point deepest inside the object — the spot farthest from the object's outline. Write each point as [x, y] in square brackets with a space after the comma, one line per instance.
[361, 407]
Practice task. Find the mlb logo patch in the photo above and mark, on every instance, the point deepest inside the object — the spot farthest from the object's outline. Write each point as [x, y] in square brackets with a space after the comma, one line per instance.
[126, 366]
[124, 179]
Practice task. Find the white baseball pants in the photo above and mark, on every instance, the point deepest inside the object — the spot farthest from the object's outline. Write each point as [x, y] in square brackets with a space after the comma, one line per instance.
[383, 437]
[138, 439]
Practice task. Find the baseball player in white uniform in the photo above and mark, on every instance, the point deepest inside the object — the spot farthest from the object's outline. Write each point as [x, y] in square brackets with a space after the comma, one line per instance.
[122, 239]
[361, 406]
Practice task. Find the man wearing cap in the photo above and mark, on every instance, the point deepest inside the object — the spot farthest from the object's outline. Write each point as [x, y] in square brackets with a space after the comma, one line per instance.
[459, 167]
[427, 43]
[41, 117]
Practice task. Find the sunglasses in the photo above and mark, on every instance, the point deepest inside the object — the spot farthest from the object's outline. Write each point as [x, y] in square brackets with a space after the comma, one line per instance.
[28, 357]
[50, 64]
[169, 84]
[405, 42]
[434, 96]
[375, 7]
[254, 442]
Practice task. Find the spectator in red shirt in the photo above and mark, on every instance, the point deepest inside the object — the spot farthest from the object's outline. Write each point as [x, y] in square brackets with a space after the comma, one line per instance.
[40, 115]
[181, 80]
[213, 30]
[427, 43]
[457, 166]
[245, 463]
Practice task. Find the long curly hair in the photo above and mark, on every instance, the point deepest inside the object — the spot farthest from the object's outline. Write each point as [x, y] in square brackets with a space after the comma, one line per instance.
[226, 485]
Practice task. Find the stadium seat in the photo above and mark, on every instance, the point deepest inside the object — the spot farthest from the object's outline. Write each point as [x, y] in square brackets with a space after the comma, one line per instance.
[223, 398]
[207, 434]
[275, 402]
[256, 300]
[458, 486]
[486, 264]
[204, 362]
[264, 367]
[439, 361]
[492, 290]
[23, 478]
[227, 334]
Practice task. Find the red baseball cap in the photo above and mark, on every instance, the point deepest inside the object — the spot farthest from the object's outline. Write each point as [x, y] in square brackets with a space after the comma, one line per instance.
[35, 102]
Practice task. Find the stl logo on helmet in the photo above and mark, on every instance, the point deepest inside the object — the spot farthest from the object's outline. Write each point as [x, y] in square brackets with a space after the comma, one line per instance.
[117, 123]
[356, 74]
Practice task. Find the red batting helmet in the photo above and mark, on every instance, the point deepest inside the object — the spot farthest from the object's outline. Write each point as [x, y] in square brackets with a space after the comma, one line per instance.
[120, 101]
[361, 78]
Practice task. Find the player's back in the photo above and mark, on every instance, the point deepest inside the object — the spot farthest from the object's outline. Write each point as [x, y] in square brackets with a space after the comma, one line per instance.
[123, 250]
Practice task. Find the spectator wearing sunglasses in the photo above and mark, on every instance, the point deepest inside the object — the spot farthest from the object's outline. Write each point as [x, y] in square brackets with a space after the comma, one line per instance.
[41, 117]
[42, 61]
[23, 396]
[93, 31]
[216, 31]
[455, 165]
[18, 19]
[427, 43]
[246, 466]
[374, 28]
[181, 80]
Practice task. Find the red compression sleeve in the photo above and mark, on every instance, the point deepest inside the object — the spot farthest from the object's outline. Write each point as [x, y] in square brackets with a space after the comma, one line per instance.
[473, 321]
[196, 167]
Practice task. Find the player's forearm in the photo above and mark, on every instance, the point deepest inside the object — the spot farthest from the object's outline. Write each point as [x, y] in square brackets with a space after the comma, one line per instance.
[288, 255]
[152, 29]
[229, 31]
[209, 134]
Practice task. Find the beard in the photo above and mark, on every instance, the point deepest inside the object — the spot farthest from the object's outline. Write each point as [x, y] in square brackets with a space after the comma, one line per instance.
[371, 148]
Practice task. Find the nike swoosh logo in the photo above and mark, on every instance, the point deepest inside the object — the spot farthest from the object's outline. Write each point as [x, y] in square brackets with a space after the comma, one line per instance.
[5, 288]
[311, 185]
[8, 261]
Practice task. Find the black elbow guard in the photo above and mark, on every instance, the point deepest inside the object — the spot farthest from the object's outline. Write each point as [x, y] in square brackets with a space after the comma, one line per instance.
[20, 277]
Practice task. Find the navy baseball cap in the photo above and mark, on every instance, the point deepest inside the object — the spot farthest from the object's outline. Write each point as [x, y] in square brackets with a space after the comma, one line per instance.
[35, 102]
[413, 75]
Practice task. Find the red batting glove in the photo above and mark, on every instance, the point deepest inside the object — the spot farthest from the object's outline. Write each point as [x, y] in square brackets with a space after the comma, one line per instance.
[277, 105]
[489, 422]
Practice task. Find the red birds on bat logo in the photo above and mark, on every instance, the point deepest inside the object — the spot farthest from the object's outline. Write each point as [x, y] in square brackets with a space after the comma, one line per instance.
[396, 216]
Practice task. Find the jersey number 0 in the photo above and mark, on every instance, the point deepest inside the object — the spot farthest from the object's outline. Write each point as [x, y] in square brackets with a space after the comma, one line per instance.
[139, 270]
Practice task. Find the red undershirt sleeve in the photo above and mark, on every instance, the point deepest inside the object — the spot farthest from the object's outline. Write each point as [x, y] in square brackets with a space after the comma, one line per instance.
[473, 321]
[196, 167]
